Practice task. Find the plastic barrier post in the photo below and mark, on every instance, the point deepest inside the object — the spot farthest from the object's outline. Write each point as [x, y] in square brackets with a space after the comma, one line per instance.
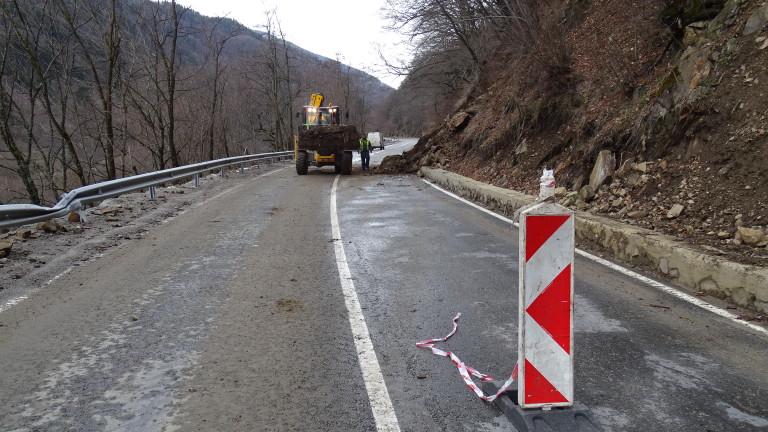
[542, 399]
[546, 306]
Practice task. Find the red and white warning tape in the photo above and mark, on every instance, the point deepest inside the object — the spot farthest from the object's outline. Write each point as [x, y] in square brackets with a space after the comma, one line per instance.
[465, 370]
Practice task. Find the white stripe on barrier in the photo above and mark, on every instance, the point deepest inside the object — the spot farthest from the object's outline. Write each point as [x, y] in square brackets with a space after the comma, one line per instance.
[627, 272]
[548, 256]
[381, 404]
[549, 358]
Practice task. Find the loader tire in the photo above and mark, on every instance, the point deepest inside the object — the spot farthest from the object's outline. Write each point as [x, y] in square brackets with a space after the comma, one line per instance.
[302, 163]
[346, 163]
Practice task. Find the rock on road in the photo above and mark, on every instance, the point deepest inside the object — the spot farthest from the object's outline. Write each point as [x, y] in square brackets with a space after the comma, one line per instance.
[230, 316]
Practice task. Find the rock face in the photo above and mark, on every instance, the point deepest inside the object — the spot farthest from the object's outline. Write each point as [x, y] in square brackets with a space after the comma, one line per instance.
[604, 168]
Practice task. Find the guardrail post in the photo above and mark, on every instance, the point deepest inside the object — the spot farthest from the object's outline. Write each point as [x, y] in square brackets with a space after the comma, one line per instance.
[152, 194]
[197, 180]
[242, 169]
[221, 173]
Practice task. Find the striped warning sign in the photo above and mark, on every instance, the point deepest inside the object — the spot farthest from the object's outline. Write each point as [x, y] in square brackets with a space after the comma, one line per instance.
[546, 306]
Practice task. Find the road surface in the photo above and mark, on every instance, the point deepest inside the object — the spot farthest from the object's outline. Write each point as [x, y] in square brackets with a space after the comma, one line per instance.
[241, 314]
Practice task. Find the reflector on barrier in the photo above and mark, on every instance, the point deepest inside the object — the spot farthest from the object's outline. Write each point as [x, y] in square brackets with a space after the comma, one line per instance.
[546, 307]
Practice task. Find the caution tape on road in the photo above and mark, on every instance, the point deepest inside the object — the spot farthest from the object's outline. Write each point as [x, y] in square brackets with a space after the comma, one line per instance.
[464, 370]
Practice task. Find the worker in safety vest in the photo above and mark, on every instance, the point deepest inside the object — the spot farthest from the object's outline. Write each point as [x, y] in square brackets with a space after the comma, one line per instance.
[365, 152]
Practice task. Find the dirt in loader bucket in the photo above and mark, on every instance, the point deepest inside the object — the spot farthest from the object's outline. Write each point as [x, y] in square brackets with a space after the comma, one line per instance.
[331, 137]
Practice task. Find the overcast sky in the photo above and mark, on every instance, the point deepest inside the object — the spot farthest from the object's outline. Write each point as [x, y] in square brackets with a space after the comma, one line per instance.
[347, 29]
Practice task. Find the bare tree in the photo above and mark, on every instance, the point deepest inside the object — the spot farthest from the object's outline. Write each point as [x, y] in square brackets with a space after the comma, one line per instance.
[103, 77]
[152, 81]
[216, 44]
[270, 75]
[22, 157]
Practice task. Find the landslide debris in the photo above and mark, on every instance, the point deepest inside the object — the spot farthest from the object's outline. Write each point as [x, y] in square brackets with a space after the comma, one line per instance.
[659, 120]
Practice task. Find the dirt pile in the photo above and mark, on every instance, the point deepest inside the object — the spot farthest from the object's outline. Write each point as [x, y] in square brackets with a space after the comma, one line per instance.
[684, 122]
[331, 137]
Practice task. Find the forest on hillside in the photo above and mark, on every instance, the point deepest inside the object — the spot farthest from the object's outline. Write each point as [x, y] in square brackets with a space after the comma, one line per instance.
[93, 90]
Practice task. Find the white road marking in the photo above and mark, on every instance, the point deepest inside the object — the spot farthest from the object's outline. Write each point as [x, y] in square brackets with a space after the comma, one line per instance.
[381, 404]
[627, 272]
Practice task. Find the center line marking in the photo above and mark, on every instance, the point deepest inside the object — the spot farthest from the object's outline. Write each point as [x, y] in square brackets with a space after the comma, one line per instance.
[381, 404]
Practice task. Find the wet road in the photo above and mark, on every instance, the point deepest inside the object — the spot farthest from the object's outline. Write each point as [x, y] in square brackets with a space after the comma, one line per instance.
[233, 316]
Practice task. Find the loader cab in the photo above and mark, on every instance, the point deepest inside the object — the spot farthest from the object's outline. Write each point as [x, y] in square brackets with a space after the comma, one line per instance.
[315, 116]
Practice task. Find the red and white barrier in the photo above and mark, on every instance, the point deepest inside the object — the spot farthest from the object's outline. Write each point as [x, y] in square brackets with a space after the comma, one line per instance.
[546, 306]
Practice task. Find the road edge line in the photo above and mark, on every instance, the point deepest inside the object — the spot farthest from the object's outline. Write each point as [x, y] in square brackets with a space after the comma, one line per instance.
[625, 271]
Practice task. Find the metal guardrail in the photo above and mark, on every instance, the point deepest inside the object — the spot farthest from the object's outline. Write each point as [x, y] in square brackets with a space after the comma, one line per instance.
[12, 215]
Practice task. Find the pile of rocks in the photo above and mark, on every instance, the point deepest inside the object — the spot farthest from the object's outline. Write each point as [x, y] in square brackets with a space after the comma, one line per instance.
[655, 195]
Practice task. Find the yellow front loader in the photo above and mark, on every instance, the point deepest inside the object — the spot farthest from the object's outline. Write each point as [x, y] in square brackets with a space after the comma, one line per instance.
[322, 140]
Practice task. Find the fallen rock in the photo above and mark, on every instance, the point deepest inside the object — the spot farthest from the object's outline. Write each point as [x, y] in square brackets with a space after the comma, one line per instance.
[73, 217]
[23, 234]
[569, 199]
[632, 178]
[5, 247]
[586, 193]
[675, 211]
[626, 166]
[753, 236]
[50, 226]
[642, 167]
[109, 210]
[637, 214]
[603, 169]
[459, 120]
[395, 164]
[756, 21]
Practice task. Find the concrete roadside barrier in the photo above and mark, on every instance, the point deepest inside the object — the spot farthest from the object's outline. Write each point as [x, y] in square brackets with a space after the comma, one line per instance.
[685, 265]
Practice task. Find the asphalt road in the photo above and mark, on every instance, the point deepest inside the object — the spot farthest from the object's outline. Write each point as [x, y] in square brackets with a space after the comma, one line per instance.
[233, 316]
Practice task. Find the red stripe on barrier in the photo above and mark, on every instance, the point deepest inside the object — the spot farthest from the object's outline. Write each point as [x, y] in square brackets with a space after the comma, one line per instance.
[538, 389]
[539, 229]
[552, 309]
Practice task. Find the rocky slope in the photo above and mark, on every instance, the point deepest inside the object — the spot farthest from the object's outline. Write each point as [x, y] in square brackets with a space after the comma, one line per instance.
[664, 135]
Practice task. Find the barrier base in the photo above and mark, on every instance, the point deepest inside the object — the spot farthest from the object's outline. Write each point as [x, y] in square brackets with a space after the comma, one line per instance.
[561, 419]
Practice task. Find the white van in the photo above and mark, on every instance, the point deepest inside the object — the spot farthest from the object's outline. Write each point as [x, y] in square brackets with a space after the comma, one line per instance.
[376, 140]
